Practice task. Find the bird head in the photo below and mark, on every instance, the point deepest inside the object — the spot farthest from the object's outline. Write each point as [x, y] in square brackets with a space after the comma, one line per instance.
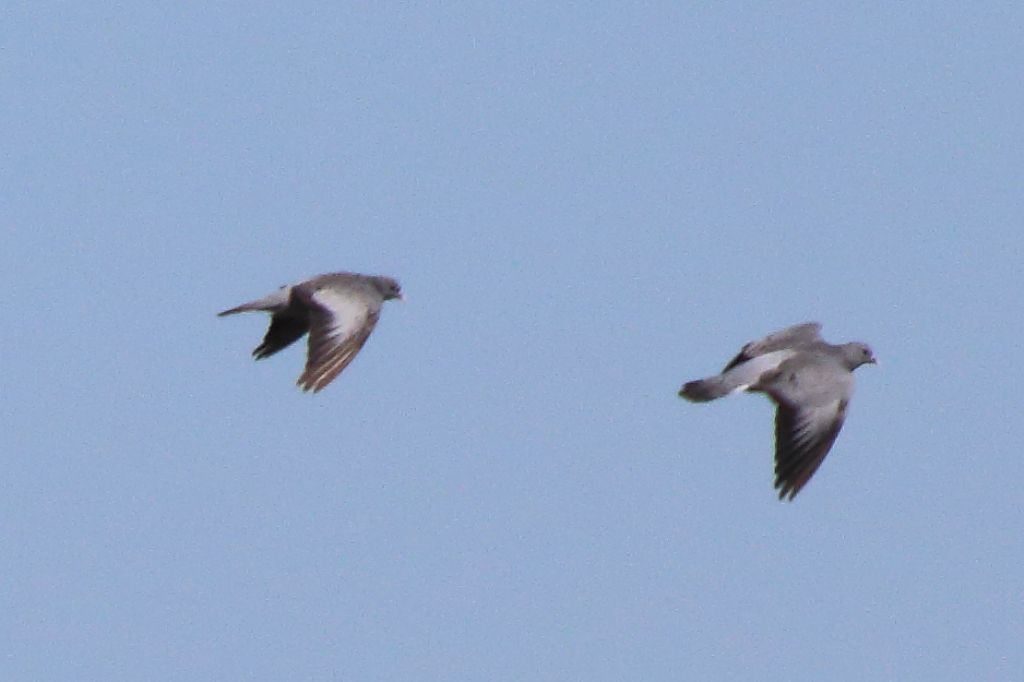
[388, 288]
[857, 354]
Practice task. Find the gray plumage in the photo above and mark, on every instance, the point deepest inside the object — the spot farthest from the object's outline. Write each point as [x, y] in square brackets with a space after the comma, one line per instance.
[339, 311]
[811, 383]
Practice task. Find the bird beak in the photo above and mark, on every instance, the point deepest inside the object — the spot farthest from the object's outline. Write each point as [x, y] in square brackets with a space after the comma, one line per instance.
[874, 361]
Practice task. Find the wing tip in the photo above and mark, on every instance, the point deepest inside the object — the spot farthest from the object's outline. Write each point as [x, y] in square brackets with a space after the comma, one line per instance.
[787, 490]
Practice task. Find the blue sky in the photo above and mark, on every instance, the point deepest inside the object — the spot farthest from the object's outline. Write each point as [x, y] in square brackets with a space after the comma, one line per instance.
[586, 204]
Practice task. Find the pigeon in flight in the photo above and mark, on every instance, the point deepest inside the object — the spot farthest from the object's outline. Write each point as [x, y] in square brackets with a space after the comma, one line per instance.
[339, 310]
[810, 381]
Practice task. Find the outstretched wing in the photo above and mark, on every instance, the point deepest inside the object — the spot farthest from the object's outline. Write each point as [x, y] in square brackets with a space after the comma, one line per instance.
[790, 337]
[803, 436]
[286, 327]
[341, 320]
[812, 391]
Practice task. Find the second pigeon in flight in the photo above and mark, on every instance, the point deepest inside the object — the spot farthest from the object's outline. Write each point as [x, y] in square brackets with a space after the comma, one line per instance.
[810, 381]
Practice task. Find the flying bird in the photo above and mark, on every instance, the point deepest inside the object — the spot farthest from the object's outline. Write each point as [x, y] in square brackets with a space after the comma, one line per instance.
[339, 311]
[811, 383]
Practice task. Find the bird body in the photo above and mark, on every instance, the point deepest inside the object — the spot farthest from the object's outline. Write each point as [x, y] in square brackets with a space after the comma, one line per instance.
[338, 310]
[811, 383]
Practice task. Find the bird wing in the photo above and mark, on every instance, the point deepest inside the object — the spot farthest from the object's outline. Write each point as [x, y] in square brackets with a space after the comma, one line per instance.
[790, 337]
[286, 327]
[812, 391]
[803, 436]
[341, 320]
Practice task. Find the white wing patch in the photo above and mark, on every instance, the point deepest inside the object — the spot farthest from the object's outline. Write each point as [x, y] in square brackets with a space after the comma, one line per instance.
[342, 322]
[348, 312]
[746, 374]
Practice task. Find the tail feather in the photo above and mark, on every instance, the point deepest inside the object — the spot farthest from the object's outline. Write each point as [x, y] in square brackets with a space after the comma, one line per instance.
[245, 307]
[742, 377]
[703, 390]
[272, 303]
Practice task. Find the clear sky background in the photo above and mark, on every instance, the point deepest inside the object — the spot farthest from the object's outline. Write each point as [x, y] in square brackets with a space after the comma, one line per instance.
[586, 204]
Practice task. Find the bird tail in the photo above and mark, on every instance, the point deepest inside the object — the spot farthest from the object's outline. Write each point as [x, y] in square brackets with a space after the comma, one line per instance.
[245, 307]
[270, 304]
[703, 390]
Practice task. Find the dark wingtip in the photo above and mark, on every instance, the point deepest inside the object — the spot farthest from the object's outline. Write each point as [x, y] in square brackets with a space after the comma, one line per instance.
[786, 494]
[788, 488]
[697, 391]
[308, 386]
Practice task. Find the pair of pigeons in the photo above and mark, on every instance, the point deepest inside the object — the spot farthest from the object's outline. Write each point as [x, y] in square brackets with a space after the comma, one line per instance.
[810, 381]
